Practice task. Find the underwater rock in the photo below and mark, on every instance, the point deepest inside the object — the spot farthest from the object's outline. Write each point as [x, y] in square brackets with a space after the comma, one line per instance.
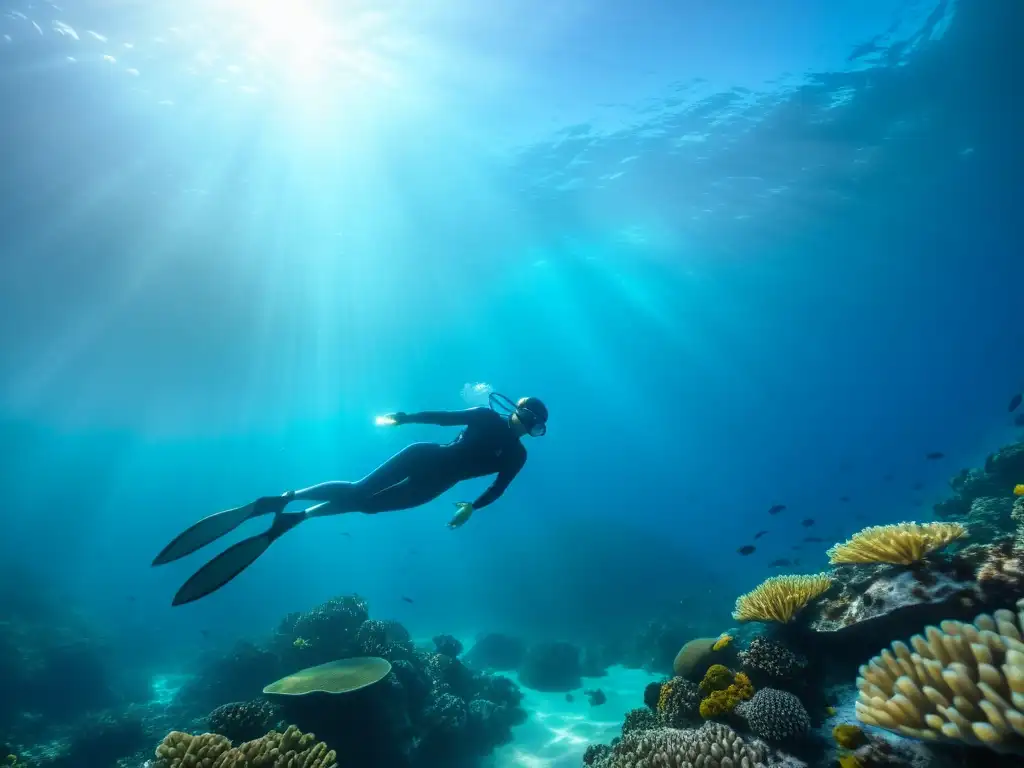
[551, 667]
[989, 518]
[594, 661]
[695, 658]
[496, 651]
[447, 645]
[655, 647]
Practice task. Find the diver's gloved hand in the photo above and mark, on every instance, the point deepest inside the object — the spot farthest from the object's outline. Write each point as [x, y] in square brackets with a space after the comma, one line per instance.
[462, 513]
[391, 419]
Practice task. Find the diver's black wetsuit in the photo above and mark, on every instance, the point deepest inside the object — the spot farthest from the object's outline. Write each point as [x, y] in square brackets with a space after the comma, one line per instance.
[423, 471]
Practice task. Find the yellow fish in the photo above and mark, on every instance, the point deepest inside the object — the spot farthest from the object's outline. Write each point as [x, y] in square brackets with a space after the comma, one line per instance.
[1018, 490]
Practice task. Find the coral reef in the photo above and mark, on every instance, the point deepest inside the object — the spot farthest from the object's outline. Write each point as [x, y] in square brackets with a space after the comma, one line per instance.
[770, 662]
[291, 749]
[640, 719]
[780, 598]
[678, 703]
[551, 667]
[899, 544]
[962, 683]
[713, 745]
[243, 720]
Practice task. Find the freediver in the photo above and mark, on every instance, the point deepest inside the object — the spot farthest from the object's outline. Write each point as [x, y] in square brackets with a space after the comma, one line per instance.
[490, 443]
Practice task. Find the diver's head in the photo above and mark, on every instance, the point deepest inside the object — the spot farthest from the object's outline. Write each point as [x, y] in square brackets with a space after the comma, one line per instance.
[530, 417]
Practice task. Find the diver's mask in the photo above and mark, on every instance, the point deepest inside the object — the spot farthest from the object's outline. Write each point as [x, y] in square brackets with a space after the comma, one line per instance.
[532, 422]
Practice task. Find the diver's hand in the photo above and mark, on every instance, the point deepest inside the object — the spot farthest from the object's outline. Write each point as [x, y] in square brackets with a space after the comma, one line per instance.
[463, 512]
[391, 419]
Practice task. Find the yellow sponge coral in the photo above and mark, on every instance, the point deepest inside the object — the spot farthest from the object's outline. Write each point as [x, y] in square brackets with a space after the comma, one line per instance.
[900, 544]
[726, 691]
[780, 598]
[717, 678]
[960, 683]
[849, 736]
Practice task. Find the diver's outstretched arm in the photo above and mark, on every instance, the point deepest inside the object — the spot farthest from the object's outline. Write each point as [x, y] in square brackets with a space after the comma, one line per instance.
[441, 418]
[501, 482]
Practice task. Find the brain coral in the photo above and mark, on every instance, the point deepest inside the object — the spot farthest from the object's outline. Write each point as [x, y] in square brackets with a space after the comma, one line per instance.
[775, 716]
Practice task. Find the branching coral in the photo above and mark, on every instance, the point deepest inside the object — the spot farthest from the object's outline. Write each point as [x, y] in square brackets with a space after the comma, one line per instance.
[291, 749]
[780, 598]
[900, 544]
[960, 683]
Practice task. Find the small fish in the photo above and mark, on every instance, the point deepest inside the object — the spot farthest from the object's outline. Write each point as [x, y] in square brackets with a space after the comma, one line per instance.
[747, 549]
[596, 697]
[813, 540]
[780, 563]
[807, 523]
[1018, 420]
[568, 697]
[935, 455]
[917, 486]
[844, 499]
[776, 508]
[759, 534]
[204, 632]
[1015, 401]
[796, 548]
[408, 599]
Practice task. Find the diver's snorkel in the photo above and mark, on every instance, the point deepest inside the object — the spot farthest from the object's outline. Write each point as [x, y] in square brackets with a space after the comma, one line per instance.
[504, 405]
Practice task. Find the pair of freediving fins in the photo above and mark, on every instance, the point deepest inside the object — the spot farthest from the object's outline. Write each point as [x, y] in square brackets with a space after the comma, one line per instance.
[236, 558]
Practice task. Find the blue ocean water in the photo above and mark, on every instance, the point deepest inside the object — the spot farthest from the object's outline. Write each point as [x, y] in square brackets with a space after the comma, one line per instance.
[747, 254]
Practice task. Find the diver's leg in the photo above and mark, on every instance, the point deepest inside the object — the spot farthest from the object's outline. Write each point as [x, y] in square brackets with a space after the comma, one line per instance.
[350, 497]
[235, 559]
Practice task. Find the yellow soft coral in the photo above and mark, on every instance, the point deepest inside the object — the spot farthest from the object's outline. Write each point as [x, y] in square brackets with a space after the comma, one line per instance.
[901, 544]
[849, 736]
[665, 695]
[726, 691]
[742, 686]
[722, 642]
[850, 761]
[717, 678]
[780, 598]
